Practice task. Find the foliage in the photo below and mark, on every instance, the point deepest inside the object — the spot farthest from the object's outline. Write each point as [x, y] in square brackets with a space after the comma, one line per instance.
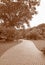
[7, 33]
[36, 33]
[18, 13]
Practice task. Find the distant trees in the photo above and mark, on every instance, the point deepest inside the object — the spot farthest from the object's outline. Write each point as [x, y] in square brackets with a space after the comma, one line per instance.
[36, 33]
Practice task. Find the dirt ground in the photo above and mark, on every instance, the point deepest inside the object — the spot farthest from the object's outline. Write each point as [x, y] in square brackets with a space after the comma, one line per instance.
[24, 53]
[4, 46]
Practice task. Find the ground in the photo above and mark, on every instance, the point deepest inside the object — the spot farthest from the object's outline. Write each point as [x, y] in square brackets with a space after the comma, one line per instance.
[4, 46]
[24, 53]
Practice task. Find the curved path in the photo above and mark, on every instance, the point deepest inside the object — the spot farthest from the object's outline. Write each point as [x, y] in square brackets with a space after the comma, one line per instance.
[24, 53]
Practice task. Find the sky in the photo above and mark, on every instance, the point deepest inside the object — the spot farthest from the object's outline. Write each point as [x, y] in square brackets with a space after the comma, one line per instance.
[40, 17]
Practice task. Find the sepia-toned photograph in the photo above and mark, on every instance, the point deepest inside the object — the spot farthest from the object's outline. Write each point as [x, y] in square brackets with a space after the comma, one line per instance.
[22, 32]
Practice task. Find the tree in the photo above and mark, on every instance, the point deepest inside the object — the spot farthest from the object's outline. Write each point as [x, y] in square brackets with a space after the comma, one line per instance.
[16, 14]
[36, 33]
[5, 1]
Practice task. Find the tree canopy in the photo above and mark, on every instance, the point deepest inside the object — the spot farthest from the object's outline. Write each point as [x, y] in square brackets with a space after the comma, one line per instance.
[18, 13]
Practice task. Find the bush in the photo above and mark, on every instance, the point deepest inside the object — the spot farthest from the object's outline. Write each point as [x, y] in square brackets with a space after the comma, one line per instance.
[7, 33]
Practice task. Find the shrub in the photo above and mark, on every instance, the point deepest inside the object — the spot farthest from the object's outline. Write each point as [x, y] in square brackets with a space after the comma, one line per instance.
[7, 33]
